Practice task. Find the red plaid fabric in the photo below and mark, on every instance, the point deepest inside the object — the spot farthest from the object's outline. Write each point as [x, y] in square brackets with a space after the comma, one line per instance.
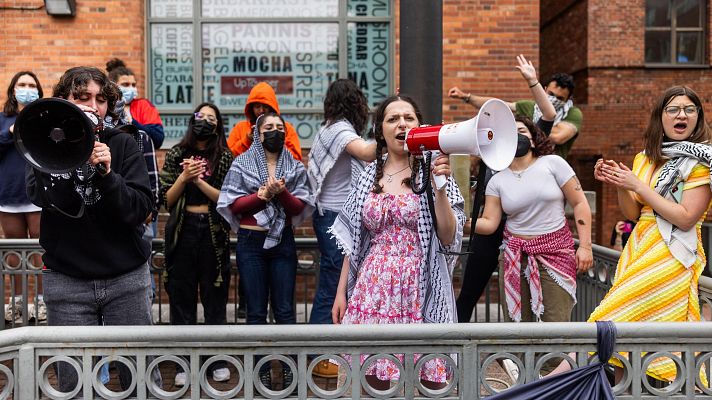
[554, 250]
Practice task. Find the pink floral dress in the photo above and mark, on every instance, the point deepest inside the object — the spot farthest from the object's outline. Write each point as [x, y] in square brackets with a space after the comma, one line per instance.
[386, 290]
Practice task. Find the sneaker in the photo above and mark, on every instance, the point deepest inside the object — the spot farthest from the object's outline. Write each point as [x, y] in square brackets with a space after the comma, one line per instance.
[326, 369]
[221, 375]
[241, 314]
[13, 310]
[511, 369]
[266, 378]
[180, 379]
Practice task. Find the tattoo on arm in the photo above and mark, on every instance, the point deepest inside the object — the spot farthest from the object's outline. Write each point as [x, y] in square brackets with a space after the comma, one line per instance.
[580, 222]
[578, 184]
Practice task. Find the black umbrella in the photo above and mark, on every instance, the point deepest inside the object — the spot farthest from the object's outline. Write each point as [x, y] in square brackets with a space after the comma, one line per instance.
[585, 383]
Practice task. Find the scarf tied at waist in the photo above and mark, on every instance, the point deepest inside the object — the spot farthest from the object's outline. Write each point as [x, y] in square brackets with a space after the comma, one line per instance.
[555, 251]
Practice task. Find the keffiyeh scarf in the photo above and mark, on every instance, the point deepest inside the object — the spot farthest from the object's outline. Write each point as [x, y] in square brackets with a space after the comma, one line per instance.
[562, 109]
[328, 145]
[683, 156]
[555, 251]
[435, 285]
[248, 173]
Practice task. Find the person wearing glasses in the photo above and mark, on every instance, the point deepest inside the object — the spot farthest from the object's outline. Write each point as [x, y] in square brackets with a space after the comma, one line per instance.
[668, 193]
[197, 255]
[560, 90]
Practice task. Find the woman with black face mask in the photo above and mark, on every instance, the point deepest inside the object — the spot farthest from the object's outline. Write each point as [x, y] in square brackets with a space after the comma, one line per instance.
[197, 238]
[264, 196]
[538, 275]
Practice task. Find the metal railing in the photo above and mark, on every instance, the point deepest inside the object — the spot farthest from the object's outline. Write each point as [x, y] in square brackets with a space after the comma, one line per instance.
[20, 257]
[28, 356]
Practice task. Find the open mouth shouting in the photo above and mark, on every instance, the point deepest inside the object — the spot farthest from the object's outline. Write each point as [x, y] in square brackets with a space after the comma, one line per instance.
[400, 136]
[680, 128]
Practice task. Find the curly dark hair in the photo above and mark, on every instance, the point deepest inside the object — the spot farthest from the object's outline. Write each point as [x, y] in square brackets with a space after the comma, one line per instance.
[75, 80]
[542, 144]
[564, 81]
[655, 133]
[216, 144]
[11, 106]
[117, 68]
[378, 116]
[344, 100]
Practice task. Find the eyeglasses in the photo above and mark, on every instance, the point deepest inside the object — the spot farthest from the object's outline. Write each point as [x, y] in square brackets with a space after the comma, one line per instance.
[674, 111]
[199, 116]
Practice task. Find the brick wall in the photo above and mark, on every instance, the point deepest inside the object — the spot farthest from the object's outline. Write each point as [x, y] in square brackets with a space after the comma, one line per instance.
[48, 46]
[614, 89]
[481, 39]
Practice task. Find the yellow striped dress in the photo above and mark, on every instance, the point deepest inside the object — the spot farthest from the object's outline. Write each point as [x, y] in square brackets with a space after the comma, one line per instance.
[650, 284]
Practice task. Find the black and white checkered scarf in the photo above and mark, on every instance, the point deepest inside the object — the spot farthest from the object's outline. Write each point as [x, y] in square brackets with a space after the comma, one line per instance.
[248, 173]
[435, 286]
[328, 145]
[683, 156]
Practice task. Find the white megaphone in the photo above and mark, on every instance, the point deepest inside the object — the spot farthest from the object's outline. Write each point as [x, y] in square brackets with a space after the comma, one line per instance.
[491, 135]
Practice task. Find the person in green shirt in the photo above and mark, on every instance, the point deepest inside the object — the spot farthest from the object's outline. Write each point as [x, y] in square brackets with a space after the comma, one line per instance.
[559, 89]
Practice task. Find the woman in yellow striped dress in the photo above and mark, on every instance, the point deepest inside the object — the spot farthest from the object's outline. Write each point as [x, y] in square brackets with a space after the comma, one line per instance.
[668, 193]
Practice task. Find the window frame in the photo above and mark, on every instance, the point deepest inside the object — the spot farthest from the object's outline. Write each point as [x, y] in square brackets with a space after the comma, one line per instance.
[674, 30]
[197, 21]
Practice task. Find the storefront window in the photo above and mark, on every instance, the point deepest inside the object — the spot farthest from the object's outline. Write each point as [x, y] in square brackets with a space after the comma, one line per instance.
[297, 46]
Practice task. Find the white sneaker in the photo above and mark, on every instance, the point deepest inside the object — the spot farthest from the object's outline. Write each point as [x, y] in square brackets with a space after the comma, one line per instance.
[511, 369]
[221, 375]
[180, 379]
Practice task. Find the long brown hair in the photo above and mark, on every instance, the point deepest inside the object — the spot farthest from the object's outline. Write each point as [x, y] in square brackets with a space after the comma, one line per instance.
[655, 133]
[378, 116]
[11, 106]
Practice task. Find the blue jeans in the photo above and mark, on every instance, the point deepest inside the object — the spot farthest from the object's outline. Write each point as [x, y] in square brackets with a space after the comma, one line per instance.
[269, 274]
[330, 263]
[122, 300]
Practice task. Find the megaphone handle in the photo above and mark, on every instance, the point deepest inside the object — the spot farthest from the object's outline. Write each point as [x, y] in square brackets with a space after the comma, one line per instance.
[101, 168]
[439, 180]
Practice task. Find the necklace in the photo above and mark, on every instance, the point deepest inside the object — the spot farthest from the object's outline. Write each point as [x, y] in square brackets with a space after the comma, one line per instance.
[389, 177]
[518, 174]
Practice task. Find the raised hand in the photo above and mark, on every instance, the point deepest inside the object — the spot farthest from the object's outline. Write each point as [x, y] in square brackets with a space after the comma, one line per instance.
[527, 70]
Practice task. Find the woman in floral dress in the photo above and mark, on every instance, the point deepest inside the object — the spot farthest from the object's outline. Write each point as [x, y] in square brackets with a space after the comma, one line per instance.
[394, 271]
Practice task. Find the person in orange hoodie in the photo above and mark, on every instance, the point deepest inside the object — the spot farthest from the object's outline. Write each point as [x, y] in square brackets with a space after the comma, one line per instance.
[262, 99]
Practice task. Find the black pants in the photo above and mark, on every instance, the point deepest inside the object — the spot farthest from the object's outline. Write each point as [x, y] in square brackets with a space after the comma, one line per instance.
[480, 266]
[196, 267]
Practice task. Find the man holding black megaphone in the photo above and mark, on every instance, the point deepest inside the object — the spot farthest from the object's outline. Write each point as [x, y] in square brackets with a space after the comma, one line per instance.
[94, 196]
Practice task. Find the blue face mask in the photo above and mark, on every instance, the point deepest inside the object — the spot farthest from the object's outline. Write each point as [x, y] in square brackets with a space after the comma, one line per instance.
[26, 96]
[128, 93]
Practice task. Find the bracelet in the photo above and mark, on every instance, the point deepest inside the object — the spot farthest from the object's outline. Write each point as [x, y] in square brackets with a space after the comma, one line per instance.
[535, 83]
[467, 98]
[584, 247]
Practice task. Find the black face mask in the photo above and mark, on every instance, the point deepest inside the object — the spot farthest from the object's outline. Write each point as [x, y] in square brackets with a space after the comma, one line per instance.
[203, 129]
[273, 141]
[523, 145]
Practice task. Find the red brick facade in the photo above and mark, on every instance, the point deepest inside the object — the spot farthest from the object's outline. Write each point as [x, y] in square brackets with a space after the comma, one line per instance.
[48, 46]
[599, 42]
[604, 51]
